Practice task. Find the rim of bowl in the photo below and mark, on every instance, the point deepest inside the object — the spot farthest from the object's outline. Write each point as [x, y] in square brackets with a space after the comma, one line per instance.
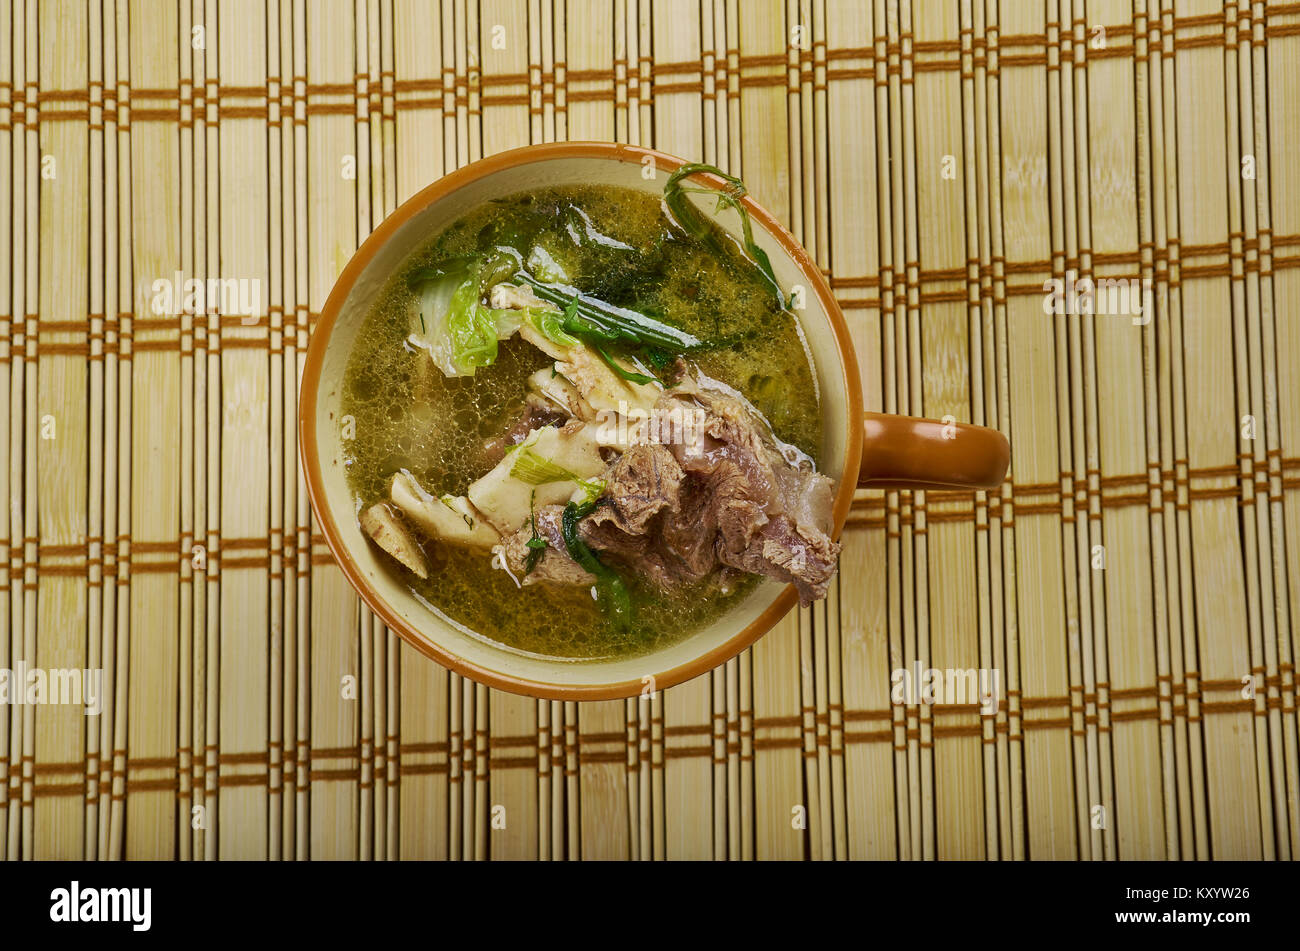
[309, 452]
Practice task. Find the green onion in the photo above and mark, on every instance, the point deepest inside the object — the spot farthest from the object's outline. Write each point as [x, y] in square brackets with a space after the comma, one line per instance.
[588, 317]
[625, 374]
[689, 217]
[538, 470]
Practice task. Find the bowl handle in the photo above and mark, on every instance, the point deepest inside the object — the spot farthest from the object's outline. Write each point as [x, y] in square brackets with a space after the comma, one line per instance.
[904, 452]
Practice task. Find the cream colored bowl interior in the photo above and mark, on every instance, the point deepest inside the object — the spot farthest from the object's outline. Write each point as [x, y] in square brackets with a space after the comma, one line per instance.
[430, 626]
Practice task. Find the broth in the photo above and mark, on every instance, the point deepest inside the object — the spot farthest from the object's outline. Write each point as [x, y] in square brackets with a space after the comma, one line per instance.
[615, 244]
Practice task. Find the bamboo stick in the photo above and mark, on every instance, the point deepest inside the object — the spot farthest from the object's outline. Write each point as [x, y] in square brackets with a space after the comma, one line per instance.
[1173, 449]
[282, 778]
[946, 212]
[60, 449]
[112, 280]
[95, 359]
[248, 596]
[335, 664]
[28, 526]
[190, 581]
[983, 398]
[8, 293]
[1280, 348]
[1250, 455]
[1264, 394]
[147, 654]
[1034, 405]
[856, 258]
[1071, 450]
[16, 424]
[1006, 648]
[306, 540]
[1140, 813]
[1172, 738]
[1224, 658]
[423, 804]
[207, 656]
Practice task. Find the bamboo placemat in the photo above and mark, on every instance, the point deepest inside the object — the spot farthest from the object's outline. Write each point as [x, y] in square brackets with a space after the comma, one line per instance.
[1134, 582]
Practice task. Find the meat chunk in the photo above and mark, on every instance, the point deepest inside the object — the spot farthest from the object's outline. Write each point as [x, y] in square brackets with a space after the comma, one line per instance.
[643, 482]
[722, 496]
[780, 550]
[643, 491]
[382, 523]
[772, 508]
[726, 497]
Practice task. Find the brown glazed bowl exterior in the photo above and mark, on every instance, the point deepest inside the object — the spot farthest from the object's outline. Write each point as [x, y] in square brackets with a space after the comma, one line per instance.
[415, 222]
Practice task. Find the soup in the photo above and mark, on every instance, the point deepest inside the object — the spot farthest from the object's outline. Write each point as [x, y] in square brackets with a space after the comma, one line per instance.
[526, 389]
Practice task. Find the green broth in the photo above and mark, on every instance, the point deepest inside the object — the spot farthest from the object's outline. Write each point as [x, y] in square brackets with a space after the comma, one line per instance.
[615, 244]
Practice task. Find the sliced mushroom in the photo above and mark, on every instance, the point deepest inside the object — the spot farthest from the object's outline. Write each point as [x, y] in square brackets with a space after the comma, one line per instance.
[514, 297]
[390, 533]
[554, 391]
[450, 518]
[601, 387]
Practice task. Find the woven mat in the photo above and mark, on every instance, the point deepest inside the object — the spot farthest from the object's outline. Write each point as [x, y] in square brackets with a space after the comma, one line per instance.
[1134, 583]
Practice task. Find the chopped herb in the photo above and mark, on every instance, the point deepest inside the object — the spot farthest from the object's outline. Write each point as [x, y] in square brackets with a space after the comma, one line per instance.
[536, 544]
[616, 600]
